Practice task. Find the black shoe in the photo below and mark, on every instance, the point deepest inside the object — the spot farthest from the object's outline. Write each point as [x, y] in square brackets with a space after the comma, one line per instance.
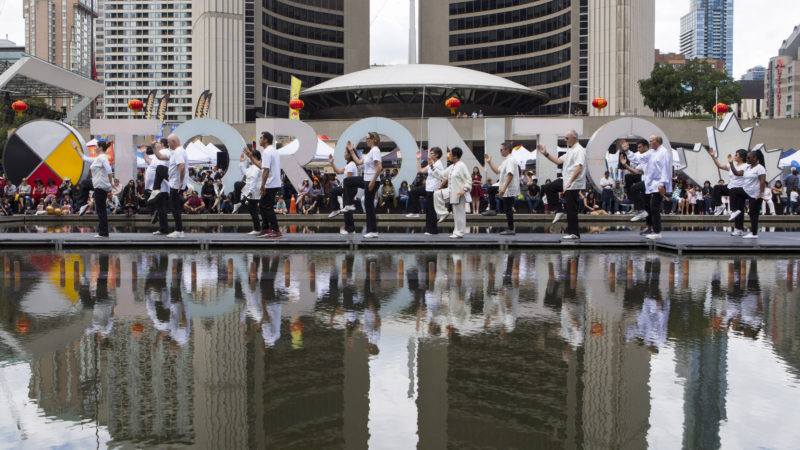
[646, 232]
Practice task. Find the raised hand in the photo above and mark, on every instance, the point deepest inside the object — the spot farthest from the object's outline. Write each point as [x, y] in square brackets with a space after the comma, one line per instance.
[487, 158]
[541, 149]
[730, 158]
[712, 152]
[330, 158]
[419, 155]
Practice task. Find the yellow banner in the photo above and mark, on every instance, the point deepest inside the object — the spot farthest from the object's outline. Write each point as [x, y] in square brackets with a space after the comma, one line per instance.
[295, 94]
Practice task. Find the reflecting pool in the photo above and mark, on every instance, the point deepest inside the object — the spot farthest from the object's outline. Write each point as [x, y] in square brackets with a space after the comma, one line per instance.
[398, 350]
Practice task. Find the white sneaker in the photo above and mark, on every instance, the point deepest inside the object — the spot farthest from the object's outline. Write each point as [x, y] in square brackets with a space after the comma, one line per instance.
[719, 210]
[734, 215]
[737, 233]
[570, 237]
[158, 233]
[153, 194]
[750, 236]
[254, 232]
[236, 208]
[346, 232]
[349, 208]
[175, 234]
[653, 236]
[641, 215]
[100, 237]
[456, 236]
[617, 213]
[334, 213]
[559, 216]
[83, 209]
[371, 235]
[428, 234]
[412, 216]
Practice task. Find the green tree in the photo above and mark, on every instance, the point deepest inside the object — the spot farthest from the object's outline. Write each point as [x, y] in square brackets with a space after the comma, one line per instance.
[701, 80]
[691, 88]
[663, 91]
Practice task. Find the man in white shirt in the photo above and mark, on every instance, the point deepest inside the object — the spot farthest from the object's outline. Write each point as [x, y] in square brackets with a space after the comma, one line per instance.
[369, 182]
[178, 172]
[270, 187]
[632, 162]
[606, 195]
[574, 162]
[509, 184]
[431, 185]
[657, 179]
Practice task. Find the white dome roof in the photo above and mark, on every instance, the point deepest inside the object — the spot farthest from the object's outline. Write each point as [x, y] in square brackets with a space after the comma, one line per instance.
[418, 75]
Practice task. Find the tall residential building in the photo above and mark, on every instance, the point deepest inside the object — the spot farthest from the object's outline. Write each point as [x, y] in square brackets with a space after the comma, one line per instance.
[781, 82]
[707, 31]
[571, 50]
[60, 32]
[755, 73]
[313, 40]
[621, 44]
[142, 46]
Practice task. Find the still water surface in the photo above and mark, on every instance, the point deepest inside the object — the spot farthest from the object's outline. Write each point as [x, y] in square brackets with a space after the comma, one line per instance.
[397, 350]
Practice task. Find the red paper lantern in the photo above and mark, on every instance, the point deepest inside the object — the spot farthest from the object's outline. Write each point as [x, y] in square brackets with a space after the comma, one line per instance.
[19, 106]
[135, 105]
[720, 108]
[297, 104]
[452, 103]
[599, 103]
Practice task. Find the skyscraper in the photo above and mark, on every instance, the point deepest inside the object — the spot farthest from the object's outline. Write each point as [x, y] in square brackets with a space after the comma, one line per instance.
[60, 32]
[141, 46]
[571, 50]
[707, 31]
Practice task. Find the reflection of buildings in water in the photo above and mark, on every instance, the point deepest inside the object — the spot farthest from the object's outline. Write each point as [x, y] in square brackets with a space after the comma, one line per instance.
[782, 317]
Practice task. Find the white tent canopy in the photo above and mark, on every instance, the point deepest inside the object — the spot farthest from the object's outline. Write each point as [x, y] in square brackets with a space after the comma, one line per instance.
[323, 149]
[788, 160]
[522, 155]
[199, 154]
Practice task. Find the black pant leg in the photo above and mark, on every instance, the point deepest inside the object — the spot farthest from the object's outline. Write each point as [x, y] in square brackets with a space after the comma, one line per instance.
[351, 186]
[656, 201]
[83, 192]
[268, 216]
[738, 197]
[755, 211]
[413, 199]
[252, 207]
[175, 200]
[638, 197]
[508, 205]
[162, 201]
[716, 194]
[571, 199]
[100, 197]
[431, 221]
[369, 206]
[552, 191]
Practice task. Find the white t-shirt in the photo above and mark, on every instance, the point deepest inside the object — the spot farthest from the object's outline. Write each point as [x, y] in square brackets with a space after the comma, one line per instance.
[101, 169]
[572, 159]
[252, 183]
[752, 185]
[150, 172]
[351, 168]
[178, 157]
[606, 183]
[432, 183]
[736, 181]
[371, 162]
[793, 196]
[271, 160]
[509, 166]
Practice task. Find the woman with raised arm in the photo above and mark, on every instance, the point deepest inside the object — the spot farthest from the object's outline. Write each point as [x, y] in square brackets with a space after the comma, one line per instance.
[735, 181]
[369, 182]
[754, 182]
[350, 170]
[103, 182]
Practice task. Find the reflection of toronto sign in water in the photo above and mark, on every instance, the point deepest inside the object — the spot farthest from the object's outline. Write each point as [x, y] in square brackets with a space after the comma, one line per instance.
[695, 163]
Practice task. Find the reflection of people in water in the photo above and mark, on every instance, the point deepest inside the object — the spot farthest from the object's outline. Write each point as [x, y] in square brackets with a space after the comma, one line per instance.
[744, 309]
[503, 302]
[262, 305]
[372, 320]
[100, 301]
[157, 300]
[652, 319]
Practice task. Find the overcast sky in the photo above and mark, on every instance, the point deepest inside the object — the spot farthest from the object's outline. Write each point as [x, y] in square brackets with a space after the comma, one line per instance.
[760, 26]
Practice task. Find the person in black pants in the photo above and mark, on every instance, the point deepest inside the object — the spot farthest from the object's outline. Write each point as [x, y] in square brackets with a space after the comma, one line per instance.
[431, 185]
[752, 189]
[103, 182]
[270, 187]
[370, 182]
[349, 170]
[552, 192]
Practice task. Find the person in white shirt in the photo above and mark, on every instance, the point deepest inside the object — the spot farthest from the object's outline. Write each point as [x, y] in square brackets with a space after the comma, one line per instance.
[160, 188]
[658, 182]
[752, 189]
[369, 182]
[270, 185]
[509, 184]
[349, 170]
[735, 181]
[102, 180]
[252, 187]
[606, 193]
[178, 172]
[574, 163]
[459, 185]
[632, 162]
[431, 185]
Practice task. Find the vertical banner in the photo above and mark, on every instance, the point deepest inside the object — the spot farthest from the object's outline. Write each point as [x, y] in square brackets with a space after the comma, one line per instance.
[295, 94]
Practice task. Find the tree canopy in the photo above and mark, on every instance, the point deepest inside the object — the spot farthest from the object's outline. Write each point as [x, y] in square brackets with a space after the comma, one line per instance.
[691, 88]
